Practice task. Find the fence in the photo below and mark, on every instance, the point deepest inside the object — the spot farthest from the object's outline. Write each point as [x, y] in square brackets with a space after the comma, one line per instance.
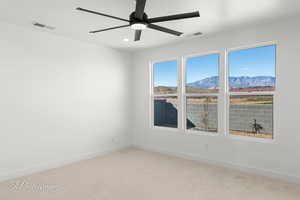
[242, 116]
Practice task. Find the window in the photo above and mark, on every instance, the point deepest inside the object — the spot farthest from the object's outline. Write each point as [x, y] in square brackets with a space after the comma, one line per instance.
[165, 111]
[202, 113]
[251, 89]
[201, 93]
[165, 94]
[196, 95]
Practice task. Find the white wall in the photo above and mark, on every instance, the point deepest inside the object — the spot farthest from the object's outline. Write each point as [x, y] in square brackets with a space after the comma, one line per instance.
[279, 158]
[61, 100]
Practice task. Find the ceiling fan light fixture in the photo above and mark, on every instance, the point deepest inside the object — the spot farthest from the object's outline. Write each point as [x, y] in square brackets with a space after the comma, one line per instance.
[138, 26]
[139, 20]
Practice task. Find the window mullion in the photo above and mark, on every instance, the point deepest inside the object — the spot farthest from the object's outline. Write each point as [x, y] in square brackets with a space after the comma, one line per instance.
[251, 93]
[201, 95]
[166, 95]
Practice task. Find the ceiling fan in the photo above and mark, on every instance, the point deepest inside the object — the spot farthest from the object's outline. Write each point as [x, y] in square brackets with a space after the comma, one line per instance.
[138, 20]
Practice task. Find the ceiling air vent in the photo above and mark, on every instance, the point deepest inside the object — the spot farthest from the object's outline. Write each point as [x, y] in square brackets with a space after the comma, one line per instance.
[40, 25]
[198, 33]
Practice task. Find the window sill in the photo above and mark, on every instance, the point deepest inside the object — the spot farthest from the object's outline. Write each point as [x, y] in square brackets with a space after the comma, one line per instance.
[186, 132]
[165, 128]
[201, 133]
[218, 134]
[251, 139]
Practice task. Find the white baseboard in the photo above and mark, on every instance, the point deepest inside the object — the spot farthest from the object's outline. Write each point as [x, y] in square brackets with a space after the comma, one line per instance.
[253, 170]
[56, 164]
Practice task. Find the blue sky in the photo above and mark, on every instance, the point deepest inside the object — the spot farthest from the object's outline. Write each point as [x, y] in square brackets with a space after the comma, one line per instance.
[248, 62]
[165, 73]
[253, 62]
[201, 67]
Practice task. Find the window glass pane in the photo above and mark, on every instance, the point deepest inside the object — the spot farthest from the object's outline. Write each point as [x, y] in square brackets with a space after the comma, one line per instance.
[202, 113]
[165, 112]
[251, 115]
[252, 69]
[165, 77]
[202, 74]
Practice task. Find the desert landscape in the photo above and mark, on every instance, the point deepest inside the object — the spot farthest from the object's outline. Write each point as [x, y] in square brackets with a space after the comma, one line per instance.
[250, 115]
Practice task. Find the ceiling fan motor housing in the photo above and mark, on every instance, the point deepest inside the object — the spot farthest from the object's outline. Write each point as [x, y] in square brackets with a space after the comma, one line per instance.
[134, 20]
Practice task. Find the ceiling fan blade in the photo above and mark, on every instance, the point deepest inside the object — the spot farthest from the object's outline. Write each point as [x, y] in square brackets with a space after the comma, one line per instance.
[163, 29]
[102, 14]
[137, 35]
[174, 17]
[139, 9]
[116, 27]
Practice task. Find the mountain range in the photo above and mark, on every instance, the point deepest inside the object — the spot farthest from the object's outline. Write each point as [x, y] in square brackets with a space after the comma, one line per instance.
[235, 82]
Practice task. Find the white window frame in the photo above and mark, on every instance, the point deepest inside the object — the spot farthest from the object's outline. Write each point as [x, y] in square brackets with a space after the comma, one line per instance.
[223, 95]
[228, 93]
[152, 95]
[185, 95]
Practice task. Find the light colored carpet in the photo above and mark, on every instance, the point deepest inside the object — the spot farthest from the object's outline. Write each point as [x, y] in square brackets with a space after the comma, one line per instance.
[134, 174]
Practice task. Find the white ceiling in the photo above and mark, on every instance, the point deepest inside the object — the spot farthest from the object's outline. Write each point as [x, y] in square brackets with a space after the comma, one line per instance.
[216, 15]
